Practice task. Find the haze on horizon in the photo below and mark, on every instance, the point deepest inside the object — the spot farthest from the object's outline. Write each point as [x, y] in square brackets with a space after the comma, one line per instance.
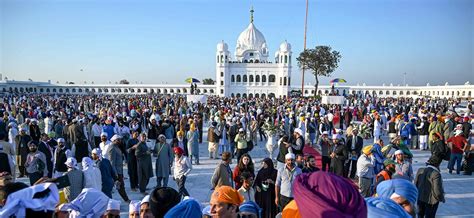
[432, 41]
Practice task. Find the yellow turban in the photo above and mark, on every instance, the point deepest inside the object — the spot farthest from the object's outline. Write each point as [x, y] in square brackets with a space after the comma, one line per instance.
[367, 149]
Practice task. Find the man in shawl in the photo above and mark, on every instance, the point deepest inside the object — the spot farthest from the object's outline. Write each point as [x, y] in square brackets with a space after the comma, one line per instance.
[163, 162]
[144, 164]
[35, 163]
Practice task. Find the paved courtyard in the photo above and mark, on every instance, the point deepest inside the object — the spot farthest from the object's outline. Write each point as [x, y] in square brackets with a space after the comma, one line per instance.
[459, 188]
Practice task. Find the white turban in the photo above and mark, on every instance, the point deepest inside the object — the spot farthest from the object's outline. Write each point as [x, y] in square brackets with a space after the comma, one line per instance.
[60, 140]
[87, 162]
[113, 205]
[104, 134]
[90, 203]
[289, 156]
[96, 151]
[145, 199]
[71, 162]
[115, 137]
[299, 131]
[134, 206]
[23, 199]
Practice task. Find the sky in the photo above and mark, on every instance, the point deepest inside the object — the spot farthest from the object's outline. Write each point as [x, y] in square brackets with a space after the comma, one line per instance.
[167, 41]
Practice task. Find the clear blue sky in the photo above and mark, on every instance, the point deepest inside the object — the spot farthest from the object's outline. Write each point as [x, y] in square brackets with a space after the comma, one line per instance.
[167, 41]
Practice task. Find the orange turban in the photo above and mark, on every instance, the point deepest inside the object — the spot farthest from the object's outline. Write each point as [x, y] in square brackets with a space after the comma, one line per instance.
[291, 210]
[226, 194]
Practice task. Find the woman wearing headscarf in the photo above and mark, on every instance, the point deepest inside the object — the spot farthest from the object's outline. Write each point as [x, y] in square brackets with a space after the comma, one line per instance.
[322, 194]
[92, 175]
[265, 189]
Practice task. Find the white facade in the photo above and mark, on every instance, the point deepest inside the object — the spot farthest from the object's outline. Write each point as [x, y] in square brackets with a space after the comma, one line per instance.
[250, 73]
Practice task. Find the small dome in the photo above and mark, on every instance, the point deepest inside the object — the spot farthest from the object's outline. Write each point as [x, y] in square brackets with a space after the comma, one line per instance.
[222, 46]
[285, 46]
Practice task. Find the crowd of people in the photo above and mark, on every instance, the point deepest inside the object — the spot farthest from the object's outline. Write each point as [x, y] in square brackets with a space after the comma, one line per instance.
[350, 160]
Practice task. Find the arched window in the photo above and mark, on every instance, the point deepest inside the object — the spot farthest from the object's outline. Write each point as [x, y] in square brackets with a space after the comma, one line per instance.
[284, 81]
[264, 79]
[380, 92]
[244, 95]
[251, 78]
[387, 92]
[47, 90]
[239, 79]
[394, 92]
[217, 58]
[463, 93]
[257, 78]
[250, 95]
[257, 95]
[286, 59]
[60, 91]
[232, 79]
[232, 95]
[272, 78]
[469, 93]
[245, 78]
[222, 58]
[185, 91]
[211, 91]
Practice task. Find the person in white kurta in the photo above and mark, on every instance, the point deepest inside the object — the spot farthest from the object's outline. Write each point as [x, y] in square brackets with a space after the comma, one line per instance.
[377, 129]
[92, 175]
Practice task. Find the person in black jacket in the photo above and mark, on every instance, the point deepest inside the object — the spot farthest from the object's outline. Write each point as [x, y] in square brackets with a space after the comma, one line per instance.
[430, 188]
[353, 146]
[48, 151]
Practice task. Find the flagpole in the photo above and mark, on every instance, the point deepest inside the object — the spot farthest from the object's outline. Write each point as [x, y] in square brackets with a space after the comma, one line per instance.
[304, 47]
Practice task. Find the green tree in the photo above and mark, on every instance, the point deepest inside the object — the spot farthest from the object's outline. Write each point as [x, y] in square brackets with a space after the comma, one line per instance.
[321, 61]
[208, 81]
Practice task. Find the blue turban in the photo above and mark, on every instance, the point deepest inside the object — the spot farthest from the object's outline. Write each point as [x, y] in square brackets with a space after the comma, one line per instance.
[250, 207]
[401, 187]
[380, 208]
[186, 208]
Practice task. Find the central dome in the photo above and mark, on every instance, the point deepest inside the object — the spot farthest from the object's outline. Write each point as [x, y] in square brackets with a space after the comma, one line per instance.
[250, 39]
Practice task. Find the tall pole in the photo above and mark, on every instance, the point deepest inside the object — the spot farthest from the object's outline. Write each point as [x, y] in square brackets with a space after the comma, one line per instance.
[304, 47]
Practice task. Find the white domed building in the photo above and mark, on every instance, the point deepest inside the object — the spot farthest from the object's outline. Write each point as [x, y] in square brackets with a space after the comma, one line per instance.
[250, 73]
